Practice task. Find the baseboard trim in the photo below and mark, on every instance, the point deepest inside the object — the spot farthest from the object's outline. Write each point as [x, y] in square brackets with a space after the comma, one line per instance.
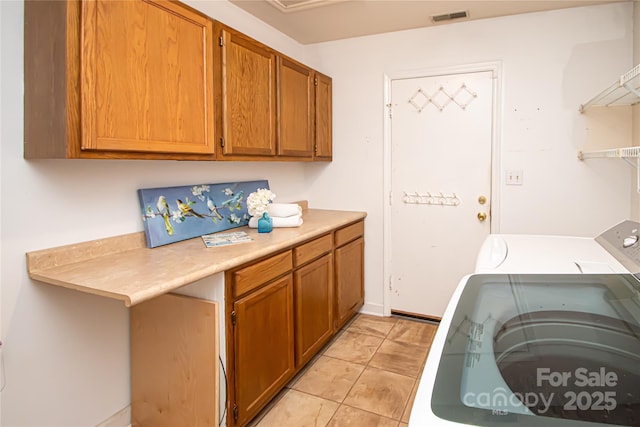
[122, 418]
[373, 309]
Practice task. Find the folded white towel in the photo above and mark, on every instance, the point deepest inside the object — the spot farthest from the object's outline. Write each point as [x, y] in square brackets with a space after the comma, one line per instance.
[283, 210]
[278, 222]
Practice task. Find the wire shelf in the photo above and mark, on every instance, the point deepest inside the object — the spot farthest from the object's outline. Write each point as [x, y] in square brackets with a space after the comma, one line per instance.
[626, 91]
[631, 155]
[620, 153]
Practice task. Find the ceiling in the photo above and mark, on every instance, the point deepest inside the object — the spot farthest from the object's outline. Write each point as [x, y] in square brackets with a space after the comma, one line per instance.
[314, 21]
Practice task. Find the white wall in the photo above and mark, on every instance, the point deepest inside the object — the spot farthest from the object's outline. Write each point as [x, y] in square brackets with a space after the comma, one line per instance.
[552, 62]
[66, 353]
[635, 195]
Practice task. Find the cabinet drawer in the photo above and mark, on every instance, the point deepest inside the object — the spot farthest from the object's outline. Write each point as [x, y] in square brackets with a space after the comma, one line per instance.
[308, 251]
[350, 232]
[249, 278]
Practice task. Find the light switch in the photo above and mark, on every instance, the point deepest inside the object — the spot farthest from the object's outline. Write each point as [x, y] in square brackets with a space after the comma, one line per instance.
[514, 177]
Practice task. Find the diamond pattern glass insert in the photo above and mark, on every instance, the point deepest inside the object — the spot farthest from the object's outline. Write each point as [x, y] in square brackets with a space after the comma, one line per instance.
[462, 97]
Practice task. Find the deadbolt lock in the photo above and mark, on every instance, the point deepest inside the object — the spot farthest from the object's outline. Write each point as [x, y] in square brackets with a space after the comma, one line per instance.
[482, 200]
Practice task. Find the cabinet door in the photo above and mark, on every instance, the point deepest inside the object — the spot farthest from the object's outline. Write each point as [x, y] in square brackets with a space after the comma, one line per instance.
[323, 107]
[295, 109]
[349, 273]
[248, 94]
[147, 77]
[313, 307]
[263, 346]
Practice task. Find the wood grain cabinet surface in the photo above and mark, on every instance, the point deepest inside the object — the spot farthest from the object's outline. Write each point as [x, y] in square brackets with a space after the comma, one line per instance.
[174, 362]
[118, 79]
[271, 106]
[156, 79]
[263, 346]
[249, 278]
[323, 149]
[295, 109]
[245, 86]
[349, 277]
[283, 309]
[313, 290]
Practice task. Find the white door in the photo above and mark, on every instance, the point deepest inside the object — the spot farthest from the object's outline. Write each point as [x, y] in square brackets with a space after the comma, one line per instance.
[441, 139]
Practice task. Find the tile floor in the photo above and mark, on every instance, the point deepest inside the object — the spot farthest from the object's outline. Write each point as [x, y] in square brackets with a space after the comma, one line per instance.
[366, 376]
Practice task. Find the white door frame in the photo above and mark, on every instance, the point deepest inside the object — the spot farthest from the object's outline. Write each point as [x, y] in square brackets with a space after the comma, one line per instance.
[496, 69]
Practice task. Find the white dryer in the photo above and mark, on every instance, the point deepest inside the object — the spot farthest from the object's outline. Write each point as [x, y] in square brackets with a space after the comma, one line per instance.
[516, 253]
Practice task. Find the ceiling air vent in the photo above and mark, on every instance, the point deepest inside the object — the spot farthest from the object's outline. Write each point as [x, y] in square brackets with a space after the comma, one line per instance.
[449, 16]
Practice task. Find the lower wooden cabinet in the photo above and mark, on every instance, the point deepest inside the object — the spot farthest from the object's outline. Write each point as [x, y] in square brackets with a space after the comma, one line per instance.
[349, 275]
[281, 310]
[263, 346]
[313, 286]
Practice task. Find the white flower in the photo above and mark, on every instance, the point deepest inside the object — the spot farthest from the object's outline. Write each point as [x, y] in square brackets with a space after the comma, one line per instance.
[198, 190]
[258, 200]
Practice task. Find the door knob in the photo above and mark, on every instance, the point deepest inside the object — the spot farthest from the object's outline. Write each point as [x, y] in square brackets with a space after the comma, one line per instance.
[482, 216]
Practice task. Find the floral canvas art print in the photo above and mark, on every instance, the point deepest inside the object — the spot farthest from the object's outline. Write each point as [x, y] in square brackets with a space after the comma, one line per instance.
[172, 214]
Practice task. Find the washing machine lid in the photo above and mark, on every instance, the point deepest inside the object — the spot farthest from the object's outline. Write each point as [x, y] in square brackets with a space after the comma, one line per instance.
[542, 350]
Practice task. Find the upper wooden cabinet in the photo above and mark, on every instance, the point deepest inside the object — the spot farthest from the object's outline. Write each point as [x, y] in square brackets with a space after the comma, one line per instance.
[120, 79]
[295, 109]
[272, 107]
[304, 112]
[323, 117]
[245, 87]
[156, 79]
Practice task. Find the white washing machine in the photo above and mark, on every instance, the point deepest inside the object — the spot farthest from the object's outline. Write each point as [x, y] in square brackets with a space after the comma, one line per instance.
[546, 333]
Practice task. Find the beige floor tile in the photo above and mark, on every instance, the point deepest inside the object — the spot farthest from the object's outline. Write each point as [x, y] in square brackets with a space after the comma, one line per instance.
[381, 392]
[401, 358]
[348, 416]
[372, 325]
[352, 347]
[407, 409]
[403, 425]
[296, 409]
[329, 378]
[304, 370]
[412, 332]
